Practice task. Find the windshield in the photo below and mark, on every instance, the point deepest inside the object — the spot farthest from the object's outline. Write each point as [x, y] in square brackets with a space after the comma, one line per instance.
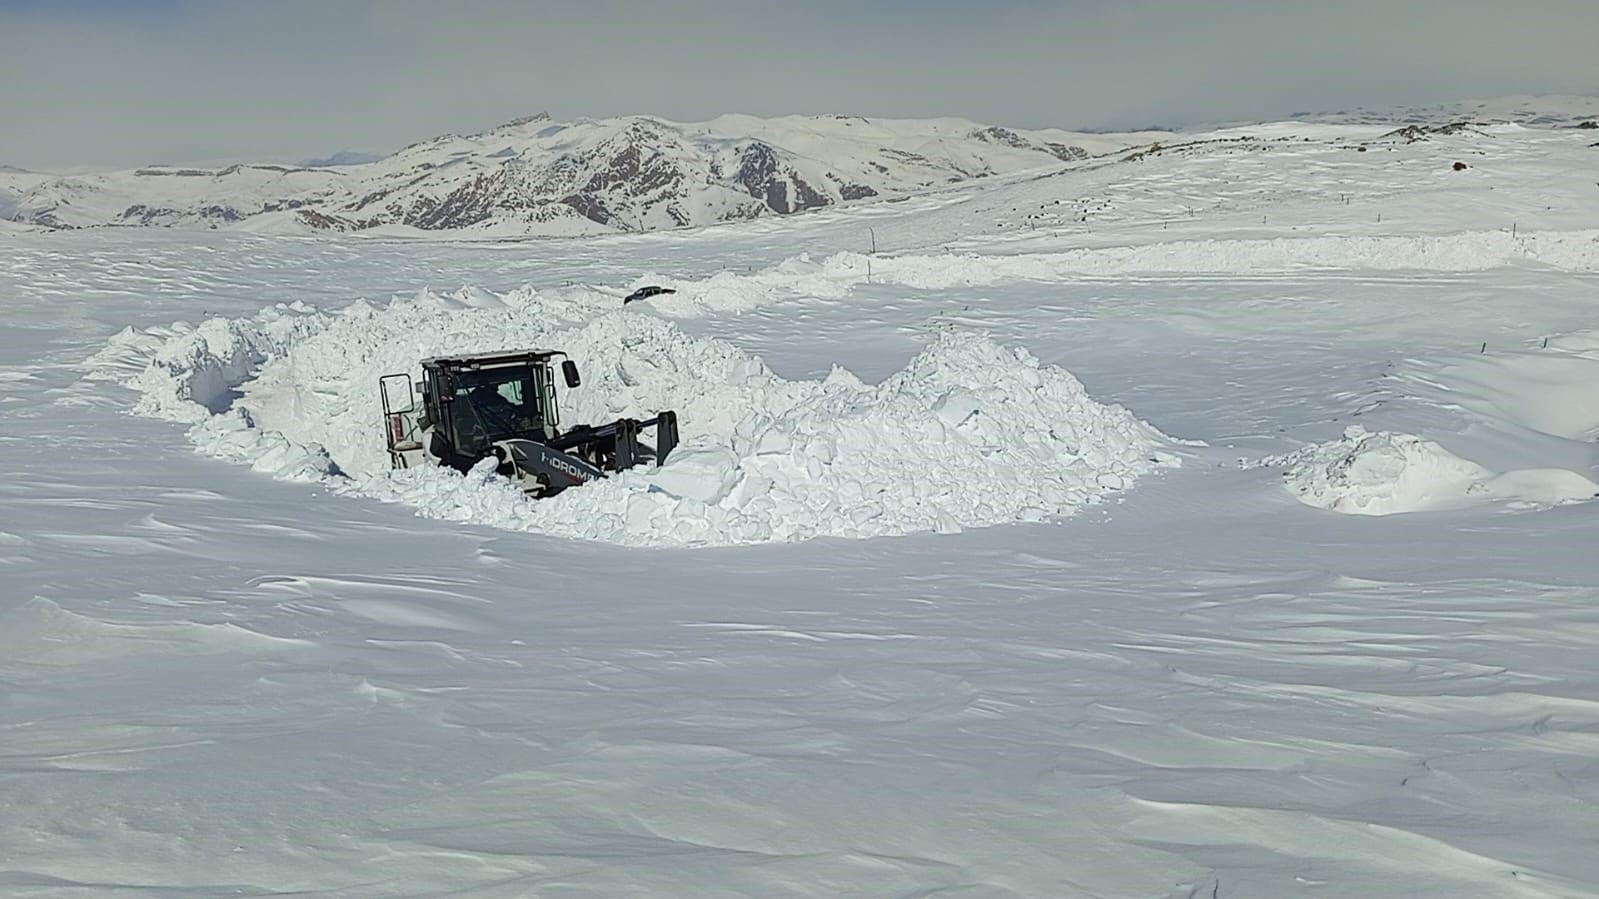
[498, 403]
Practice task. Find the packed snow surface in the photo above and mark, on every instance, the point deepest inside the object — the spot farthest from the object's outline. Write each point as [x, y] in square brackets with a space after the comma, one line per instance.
[969, 433]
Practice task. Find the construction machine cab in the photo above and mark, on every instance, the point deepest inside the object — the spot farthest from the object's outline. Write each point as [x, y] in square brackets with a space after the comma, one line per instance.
[473, 402]
[504, 405]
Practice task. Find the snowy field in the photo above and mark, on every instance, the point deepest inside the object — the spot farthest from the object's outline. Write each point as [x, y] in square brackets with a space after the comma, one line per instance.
[1211, 523]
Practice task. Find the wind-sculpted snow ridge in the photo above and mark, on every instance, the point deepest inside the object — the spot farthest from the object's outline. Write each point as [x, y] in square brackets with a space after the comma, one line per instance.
[1524, 419]
[969, 434]
[186, 372]
[836, 275]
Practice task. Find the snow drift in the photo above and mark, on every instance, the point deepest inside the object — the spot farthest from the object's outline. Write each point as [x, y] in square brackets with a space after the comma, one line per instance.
[1520, 424]
[1380, 473]
[838, 274]
[968, 434]
[1385, 473]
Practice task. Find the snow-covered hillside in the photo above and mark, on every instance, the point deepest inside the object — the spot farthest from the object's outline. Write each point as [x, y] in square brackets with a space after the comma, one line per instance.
[1209, 520]
[535, 176]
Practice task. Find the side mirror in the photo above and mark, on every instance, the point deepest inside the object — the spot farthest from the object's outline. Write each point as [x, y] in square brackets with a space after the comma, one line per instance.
[569, 371]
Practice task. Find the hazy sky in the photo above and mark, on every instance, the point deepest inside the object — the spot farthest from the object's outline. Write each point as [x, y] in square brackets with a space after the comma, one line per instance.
[125, 82]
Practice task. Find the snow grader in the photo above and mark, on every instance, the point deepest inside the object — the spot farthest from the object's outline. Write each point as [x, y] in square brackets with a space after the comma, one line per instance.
[503, 405]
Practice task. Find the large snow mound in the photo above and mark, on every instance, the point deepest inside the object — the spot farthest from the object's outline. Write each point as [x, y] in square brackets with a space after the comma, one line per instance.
[1386, 473]
[969, 434]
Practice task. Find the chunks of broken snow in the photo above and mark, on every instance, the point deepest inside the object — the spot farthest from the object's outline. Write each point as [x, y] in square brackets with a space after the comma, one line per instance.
[233, 436]
[968, 434]
[1385, 473]
[706, 474]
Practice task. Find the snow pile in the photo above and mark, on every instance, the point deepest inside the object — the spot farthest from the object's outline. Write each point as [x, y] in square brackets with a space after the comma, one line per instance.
[1386, 473]
[478, 497]
[1379, 473]
[323, 389]
[735, 291]
[233, 435]
[968, 434]
[192, 374]
[185, 372]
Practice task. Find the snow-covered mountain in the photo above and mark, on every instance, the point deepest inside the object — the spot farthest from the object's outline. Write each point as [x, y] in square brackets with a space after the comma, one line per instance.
[537, 176]
[343, 157]
[1543, 109]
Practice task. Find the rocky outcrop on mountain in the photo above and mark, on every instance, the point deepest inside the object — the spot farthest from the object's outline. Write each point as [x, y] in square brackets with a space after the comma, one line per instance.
[763, 175]
[1412, 133]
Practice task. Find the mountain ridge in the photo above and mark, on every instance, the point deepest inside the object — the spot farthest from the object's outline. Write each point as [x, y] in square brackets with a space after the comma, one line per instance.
[536, 176]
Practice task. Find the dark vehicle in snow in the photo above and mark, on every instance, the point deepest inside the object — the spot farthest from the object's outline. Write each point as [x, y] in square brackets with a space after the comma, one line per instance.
[503, 405]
